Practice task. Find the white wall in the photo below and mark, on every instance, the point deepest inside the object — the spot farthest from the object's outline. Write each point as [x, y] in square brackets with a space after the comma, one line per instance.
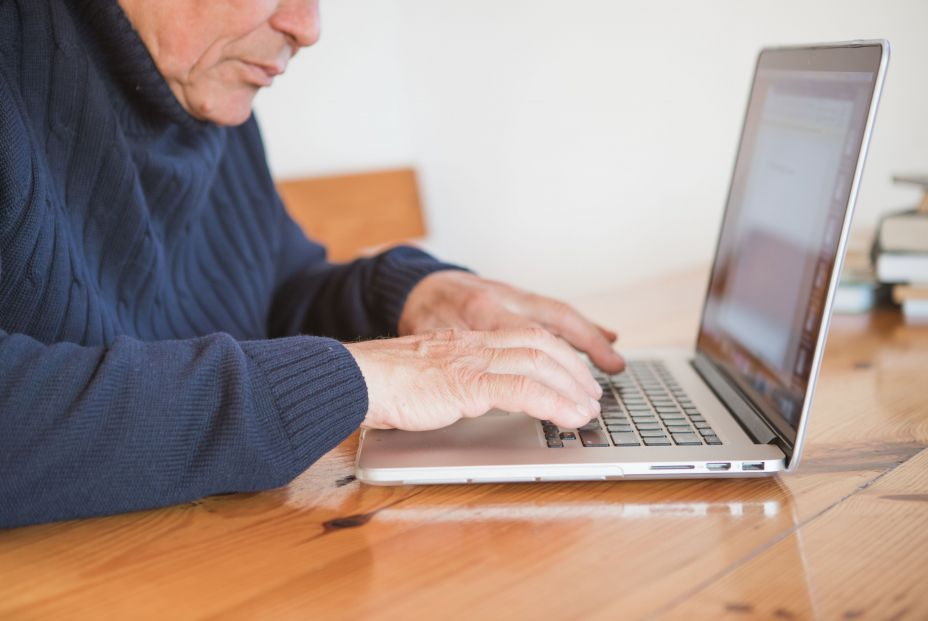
[571, 147]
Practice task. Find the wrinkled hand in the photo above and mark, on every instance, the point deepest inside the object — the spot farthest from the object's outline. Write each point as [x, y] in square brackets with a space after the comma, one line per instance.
[431, 380]
[452, 299]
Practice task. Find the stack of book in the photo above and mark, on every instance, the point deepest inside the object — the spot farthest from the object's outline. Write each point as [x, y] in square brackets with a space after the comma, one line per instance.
[900, 254]
[858, 292]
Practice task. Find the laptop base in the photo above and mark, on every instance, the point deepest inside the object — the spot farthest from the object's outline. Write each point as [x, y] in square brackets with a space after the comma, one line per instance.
[510, 447]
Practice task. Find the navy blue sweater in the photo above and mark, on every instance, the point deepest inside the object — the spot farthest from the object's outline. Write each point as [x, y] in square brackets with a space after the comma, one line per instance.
[156, 302]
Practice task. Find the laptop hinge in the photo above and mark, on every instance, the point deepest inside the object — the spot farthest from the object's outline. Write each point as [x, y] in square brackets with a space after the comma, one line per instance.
[752, 421]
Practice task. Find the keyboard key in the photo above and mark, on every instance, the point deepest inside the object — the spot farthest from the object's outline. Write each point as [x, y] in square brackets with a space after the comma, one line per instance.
[593, 437]
[657, 441]
[591, 426]
[653, 399]
[625, 439]
[686, 439]
[568, 435]
[555, 443]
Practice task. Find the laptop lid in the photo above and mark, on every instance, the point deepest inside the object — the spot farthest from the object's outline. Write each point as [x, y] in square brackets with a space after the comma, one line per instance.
[787, 217]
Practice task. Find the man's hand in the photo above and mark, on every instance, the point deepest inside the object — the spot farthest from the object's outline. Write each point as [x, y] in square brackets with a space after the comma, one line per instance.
[431, 380]
[451, 299]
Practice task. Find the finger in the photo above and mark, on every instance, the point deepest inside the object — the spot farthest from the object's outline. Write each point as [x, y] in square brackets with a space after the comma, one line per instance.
[542, 368]
[518, 393]
[564, 320]
[537, 337]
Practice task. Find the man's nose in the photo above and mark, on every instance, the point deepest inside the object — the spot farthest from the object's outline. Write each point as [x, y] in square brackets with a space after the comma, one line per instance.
[299, 20]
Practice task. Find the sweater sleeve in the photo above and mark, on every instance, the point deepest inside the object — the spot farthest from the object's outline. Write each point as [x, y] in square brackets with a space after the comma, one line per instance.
[88, 431]
[359, 300]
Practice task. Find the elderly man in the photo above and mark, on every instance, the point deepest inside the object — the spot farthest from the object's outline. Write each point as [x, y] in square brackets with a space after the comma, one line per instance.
[166, 331]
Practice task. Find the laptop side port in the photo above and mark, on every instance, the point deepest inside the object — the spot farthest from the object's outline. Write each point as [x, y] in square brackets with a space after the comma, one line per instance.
[719, 466]
[752, 465]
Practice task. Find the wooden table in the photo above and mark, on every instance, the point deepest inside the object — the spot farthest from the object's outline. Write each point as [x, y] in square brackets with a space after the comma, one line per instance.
[845, 537]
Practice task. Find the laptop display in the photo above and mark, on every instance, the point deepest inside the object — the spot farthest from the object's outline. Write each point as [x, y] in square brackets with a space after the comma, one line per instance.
[786, 209]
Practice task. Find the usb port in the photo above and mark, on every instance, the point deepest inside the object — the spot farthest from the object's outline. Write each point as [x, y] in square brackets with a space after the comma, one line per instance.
[752, 465]
[719, 466]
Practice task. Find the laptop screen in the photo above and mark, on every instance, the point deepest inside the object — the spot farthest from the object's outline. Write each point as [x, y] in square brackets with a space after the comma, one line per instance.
[786, 208]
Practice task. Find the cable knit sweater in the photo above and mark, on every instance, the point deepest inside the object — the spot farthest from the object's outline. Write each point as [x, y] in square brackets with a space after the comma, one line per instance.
[166, 331]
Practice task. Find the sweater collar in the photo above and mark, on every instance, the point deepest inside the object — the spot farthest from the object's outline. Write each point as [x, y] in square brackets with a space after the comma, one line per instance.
[124, 54]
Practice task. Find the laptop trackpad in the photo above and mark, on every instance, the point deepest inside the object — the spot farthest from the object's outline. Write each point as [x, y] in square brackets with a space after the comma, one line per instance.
[495, 429]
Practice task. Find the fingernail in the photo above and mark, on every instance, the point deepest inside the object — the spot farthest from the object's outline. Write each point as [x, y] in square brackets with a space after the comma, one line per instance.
[584, 414]
[597, 390]
[594, 407]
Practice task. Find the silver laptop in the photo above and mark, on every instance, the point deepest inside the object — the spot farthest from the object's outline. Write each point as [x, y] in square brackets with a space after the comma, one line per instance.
[738, 404]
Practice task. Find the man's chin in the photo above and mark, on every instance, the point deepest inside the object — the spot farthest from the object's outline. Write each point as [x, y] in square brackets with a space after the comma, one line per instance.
[228, 110]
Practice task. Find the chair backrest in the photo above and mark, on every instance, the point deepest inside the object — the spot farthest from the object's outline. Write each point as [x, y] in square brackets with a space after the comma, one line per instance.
[351, 214]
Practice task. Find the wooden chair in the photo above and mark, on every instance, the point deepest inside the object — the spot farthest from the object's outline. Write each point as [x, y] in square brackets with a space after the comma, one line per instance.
[357, 213]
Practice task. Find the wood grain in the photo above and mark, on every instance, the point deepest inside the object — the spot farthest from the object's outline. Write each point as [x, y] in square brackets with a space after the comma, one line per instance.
[863, 557]
[351, 214]
[842, 537]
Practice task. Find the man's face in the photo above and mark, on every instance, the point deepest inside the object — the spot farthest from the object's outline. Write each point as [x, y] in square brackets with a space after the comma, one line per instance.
[216, 54]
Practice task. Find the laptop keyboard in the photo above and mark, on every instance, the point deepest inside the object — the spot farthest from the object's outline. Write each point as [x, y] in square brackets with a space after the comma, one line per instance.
[644, 406]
